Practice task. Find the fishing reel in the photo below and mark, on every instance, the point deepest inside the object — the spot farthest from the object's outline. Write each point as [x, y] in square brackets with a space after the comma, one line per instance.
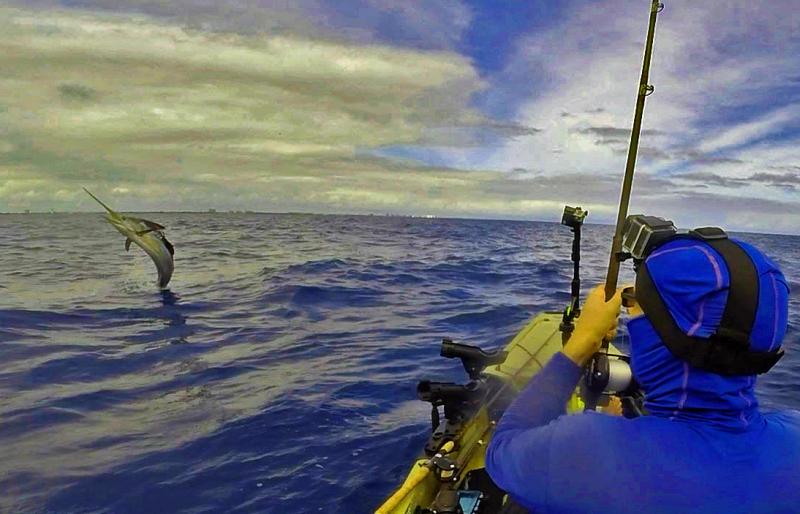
[610, 374]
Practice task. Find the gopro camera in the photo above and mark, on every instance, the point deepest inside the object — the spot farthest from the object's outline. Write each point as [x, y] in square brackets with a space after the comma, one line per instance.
[573, 216]
[641, 234]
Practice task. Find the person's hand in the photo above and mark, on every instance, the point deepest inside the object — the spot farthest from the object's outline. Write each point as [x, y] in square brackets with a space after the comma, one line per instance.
[630, 303]
[598, 318]
[634, 309]
[614, 407]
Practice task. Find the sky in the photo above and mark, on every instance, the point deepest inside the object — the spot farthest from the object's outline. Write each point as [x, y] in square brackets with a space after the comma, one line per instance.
[481, 108]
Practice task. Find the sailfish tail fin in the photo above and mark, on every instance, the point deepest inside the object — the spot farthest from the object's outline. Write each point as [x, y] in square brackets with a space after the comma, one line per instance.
[109, 209]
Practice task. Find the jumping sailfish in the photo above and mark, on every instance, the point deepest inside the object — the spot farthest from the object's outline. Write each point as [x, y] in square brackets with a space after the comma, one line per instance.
[146, 234]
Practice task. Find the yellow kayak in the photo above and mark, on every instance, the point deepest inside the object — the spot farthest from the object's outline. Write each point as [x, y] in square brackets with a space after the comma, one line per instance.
[449, 476]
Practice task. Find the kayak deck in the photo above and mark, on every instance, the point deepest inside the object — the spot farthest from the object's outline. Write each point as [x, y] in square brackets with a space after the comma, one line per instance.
[528, 352]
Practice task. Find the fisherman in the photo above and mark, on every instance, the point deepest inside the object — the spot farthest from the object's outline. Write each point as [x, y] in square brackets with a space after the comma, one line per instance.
[705, 446]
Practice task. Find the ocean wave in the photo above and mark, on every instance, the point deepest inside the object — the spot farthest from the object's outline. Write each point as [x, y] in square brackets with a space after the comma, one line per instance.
[278, 372]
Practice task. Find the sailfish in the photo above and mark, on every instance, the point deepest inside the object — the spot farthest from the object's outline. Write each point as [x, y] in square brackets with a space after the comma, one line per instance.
[148, 235]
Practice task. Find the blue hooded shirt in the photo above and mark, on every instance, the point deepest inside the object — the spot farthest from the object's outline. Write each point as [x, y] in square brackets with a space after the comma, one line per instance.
[704, 448]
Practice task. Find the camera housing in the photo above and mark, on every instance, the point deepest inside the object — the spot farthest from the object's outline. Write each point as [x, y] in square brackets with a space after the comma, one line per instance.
[573, 216]
[641, 234]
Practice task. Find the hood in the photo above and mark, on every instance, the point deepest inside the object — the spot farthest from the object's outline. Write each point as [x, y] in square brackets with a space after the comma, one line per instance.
[693, 281]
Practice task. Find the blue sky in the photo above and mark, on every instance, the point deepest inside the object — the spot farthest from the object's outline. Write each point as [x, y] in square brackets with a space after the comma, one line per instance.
[503, 109]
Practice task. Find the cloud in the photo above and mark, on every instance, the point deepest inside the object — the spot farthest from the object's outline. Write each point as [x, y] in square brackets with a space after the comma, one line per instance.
[787, 181]
[178, 117]
[480, 133]
[651, 153]
[77, 92]
[724, 108]
[745, 132]
[612, 134]
[732, 212]
[708, 178]
[364, 106]
[693, 156]
[511, 129]
[615, 137]
[424, 24]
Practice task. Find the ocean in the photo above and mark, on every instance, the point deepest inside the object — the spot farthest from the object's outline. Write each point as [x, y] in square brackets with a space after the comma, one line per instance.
[277, 373]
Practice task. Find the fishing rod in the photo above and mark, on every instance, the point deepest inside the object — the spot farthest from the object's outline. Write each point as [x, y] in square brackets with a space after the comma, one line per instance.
[645, 90]
[605, 371]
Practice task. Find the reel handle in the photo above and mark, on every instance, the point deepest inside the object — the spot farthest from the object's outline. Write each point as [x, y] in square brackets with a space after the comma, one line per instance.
[628, 297]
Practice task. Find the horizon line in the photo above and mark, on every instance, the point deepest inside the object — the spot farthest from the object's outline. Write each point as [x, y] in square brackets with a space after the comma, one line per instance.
[383, 215]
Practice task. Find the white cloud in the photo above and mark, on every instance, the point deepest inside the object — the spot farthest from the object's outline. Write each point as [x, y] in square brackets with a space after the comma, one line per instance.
[710, 68]
[429, 24]
[183, 118]
[170, 114]
[743, 133]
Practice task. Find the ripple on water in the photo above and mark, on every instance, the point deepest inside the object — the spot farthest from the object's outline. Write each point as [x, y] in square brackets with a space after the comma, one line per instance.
[278, 372]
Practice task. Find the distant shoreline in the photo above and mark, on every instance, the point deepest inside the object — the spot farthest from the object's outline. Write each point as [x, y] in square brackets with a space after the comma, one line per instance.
[367, 215]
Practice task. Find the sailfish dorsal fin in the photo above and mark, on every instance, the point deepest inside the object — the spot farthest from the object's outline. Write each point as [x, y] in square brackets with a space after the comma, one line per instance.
[152, 225]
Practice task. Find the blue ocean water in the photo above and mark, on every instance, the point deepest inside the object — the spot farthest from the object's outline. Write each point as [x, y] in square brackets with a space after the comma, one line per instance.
[278, 372]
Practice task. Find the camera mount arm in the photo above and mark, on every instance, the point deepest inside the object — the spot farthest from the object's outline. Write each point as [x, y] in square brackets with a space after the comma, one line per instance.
[573, 217]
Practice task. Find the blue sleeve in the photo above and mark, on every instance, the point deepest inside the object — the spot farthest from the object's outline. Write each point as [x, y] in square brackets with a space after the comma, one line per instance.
[518, 455]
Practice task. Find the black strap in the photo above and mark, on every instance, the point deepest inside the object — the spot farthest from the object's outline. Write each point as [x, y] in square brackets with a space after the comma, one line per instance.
[740, 309]
[726, 352]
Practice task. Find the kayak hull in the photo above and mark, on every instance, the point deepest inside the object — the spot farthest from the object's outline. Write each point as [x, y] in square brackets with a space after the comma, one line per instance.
[528, 352]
